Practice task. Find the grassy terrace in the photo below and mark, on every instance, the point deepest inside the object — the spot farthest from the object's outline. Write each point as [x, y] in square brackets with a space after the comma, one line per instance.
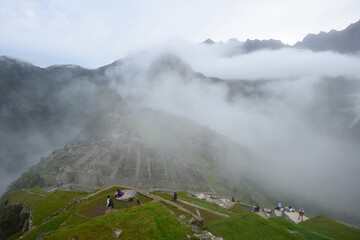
[238, 208]
[51, 225]
[95, 205]
[249, 226]
[53, 203]
[86, 219]
[330, 228]
[23, 196]
[150, 221]
[305, 233]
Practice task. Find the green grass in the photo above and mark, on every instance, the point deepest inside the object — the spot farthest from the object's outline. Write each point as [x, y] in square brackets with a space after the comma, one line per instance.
[239, 208]
[95, 206]
[176, 210]
[53, 203]
[166, 196]
[203, 203]
[150, 221]
[23, 196]
[75, 219]
[52, 225]
[39, 190]
[249, 226]
[208, 216]
[305, 233]
[331, 228]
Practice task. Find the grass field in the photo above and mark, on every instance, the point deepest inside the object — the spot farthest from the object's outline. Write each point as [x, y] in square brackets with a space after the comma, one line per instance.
[52, 225]
[249, 226]
[23, 196]
[86, 219]
[53, 203]
[150, 221]
[305, 233]
[331, 228]
[95, 206]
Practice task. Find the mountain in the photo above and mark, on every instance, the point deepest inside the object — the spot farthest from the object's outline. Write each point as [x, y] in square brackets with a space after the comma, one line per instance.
[345, 41]
[108, 140]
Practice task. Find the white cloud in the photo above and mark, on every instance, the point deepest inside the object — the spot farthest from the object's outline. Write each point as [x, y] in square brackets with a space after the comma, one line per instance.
[92, 34]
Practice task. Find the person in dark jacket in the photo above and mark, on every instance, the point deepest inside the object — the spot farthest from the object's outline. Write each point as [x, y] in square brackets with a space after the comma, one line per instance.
[109, 203]
[175, 196]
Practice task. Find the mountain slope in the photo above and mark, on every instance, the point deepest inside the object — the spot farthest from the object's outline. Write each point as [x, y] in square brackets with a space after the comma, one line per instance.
[345, 41]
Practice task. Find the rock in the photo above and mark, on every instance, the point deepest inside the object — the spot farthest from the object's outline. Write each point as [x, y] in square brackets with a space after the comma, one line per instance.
[117, 233]
[128, 196]
[196, 222]
[201, 196]
[202, 236]
[182, 217]
[40, 235]
[197, 212]
[188, 236]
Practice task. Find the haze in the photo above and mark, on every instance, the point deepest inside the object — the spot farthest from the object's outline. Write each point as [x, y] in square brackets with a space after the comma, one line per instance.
[296, 119]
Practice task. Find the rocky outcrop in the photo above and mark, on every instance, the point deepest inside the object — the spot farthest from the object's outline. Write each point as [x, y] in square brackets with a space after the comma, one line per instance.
[16, 218]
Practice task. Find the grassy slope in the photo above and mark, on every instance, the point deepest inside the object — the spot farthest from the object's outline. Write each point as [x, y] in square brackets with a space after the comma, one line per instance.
[52, 203]
[150, 221]
[305, 233]
[51, 225]
[249, 226]
[331, 228]
[95, 206]
[238, 208]
[23, 196]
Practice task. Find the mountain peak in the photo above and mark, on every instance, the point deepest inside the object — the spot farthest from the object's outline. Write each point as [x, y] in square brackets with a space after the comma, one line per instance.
[208, 41]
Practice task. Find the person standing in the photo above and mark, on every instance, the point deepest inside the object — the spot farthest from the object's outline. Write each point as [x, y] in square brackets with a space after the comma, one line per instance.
[109, 203]
[175, 196]
[301, 214]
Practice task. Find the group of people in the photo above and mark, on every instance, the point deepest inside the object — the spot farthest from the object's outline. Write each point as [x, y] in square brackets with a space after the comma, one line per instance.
[288, 209]
[291, 209]
[119, 193]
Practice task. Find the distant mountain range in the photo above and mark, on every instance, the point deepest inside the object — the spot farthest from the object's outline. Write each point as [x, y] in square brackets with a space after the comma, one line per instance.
[346, 41]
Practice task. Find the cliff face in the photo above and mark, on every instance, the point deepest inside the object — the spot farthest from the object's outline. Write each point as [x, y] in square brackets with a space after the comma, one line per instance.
[15, 218]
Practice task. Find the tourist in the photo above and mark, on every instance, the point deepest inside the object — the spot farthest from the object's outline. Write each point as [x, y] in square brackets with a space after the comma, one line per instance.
[256, 208]
[301, 214]
[119, 193]
[109, 203]
[175, 196]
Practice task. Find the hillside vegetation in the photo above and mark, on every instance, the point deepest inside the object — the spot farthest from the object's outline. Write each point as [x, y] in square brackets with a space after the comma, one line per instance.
[81, 215]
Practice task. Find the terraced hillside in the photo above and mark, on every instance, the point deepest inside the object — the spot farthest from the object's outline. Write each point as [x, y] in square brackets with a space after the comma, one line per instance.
[145, 149]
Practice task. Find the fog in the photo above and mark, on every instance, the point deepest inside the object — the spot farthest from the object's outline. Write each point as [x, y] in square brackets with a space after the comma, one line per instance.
[297, 111]
[297, 118]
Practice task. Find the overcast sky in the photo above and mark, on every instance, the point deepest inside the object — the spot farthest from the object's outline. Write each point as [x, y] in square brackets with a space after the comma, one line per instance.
[94, 33]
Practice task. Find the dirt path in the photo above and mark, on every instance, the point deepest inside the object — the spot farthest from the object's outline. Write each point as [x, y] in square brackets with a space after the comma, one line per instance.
[202, 208]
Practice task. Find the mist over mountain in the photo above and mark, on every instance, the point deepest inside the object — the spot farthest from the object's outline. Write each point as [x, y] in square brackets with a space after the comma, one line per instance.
[282, 121]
